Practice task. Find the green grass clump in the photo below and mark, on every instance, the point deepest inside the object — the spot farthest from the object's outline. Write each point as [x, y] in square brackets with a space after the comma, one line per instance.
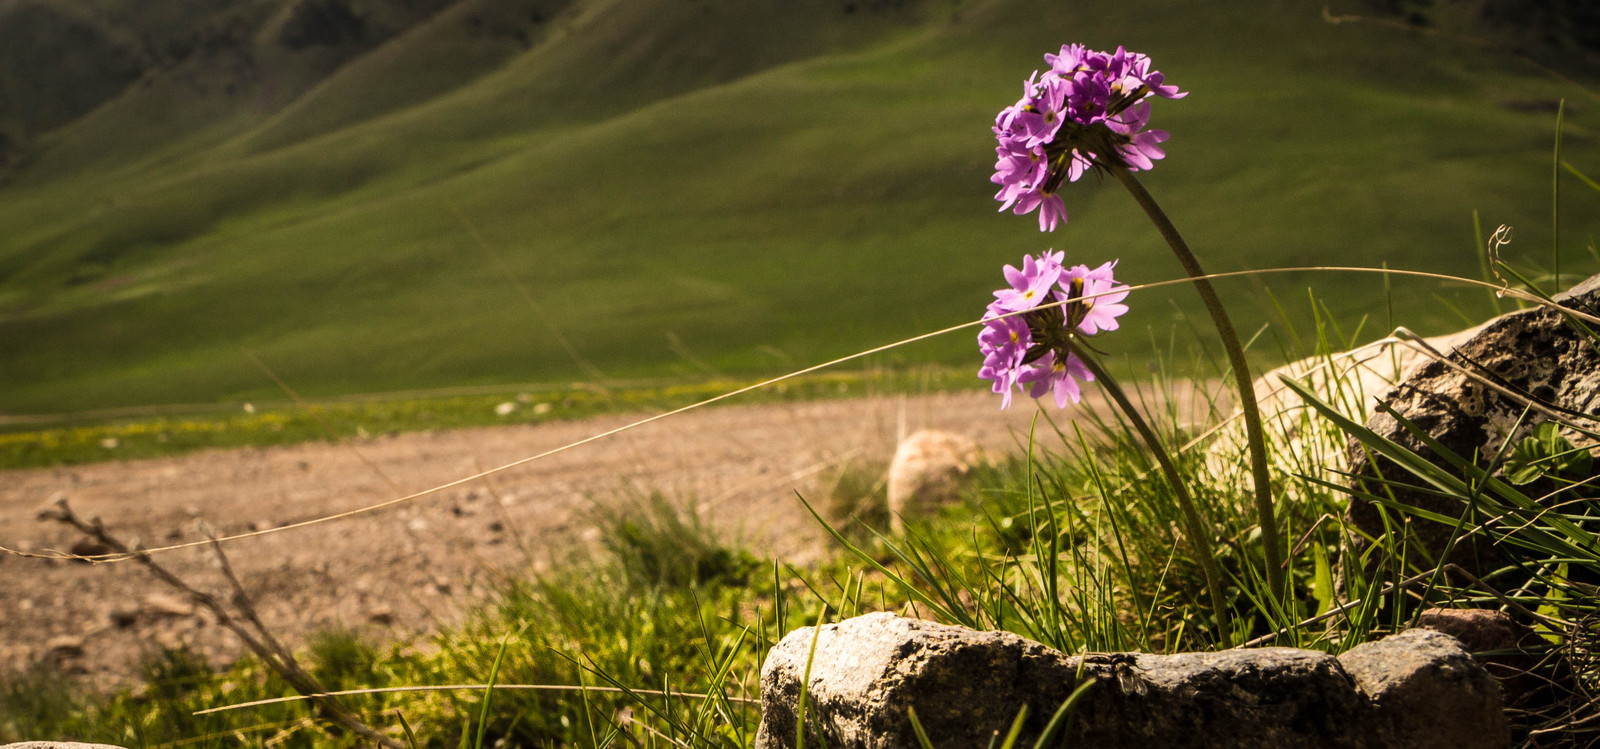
[857, 497]
[158, 710]
[658, 545]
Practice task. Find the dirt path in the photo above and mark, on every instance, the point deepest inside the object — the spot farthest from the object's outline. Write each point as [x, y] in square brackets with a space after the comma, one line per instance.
[407, 569]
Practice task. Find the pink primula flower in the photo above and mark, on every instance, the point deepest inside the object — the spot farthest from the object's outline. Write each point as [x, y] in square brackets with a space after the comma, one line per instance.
[1089, 109]
[1026, 345]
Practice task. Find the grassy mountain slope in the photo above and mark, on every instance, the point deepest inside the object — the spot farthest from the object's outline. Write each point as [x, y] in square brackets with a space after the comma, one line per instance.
[91, 62]
[760, 184]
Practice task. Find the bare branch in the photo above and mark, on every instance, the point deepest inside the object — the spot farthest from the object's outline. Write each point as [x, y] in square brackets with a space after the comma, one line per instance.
[260, 641]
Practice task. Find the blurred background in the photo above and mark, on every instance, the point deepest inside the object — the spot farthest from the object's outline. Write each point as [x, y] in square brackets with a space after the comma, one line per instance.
[384, 195]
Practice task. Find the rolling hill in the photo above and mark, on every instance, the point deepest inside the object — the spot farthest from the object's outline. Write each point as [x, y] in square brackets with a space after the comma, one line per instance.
[390, 195]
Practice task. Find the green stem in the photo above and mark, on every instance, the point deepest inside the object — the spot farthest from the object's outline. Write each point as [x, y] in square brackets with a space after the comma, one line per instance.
[1254, 437]
[1198, 530]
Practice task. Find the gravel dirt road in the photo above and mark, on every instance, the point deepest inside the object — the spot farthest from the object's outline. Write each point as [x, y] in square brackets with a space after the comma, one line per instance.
[409, 569]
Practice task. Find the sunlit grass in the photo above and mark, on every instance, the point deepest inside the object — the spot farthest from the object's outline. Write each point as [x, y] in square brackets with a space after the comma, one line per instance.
[85, 439]
[841, 192]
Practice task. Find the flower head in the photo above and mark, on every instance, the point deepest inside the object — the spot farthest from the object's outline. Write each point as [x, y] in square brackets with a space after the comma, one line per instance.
[1099, 297]
[1004, 343]
[1026, 344]
[1057, 374]
[1030, 286]
[1088, 110]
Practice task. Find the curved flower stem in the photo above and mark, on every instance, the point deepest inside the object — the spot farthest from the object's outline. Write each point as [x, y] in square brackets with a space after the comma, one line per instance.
[1241, 373]
[1197, 531]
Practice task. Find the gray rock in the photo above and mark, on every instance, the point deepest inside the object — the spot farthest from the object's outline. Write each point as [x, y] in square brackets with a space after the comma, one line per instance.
[1479, 629]
[88, 547]
[64, 653]
[868, 670]
[1428, 692]
[1267, 697]
[64, 647]
[968, 686]
[1536, 352]
[927, 472]
[1349, 381]
[1508, 650]
[166, 606]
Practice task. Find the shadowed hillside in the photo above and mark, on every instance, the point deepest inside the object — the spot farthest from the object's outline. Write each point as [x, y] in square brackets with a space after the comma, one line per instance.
[683, 184]
[1562, 33]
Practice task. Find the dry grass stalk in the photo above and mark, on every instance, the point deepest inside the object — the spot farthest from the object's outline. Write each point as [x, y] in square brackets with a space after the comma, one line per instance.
[251, 631]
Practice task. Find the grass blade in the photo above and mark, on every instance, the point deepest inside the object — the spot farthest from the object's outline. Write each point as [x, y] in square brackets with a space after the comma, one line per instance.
[488, 691]
[1063, 717]
[916, 727]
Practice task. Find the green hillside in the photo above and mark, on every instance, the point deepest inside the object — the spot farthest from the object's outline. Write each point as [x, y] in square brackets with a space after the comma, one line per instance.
[759, 184]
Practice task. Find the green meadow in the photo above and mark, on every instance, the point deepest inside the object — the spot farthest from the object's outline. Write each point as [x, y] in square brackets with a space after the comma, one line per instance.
[88, 437]
[303, 219]
[680, 189]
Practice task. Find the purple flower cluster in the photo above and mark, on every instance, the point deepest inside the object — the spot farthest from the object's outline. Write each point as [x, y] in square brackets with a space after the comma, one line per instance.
[1087, 110]
[1024, 344]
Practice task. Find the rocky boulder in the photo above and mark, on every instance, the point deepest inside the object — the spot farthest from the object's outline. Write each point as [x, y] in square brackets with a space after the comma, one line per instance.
[1508, 649]
[1351, 382]
[967, 687]
[927, 471]
[1425, 690]
[1470, 402]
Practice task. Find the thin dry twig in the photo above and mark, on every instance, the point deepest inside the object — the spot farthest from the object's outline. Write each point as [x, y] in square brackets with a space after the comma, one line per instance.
[1391, 587]
[259, 641]
[479, 688]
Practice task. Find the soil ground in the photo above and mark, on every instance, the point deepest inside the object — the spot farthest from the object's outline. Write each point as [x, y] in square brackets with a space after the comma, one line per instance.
[406, 570]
